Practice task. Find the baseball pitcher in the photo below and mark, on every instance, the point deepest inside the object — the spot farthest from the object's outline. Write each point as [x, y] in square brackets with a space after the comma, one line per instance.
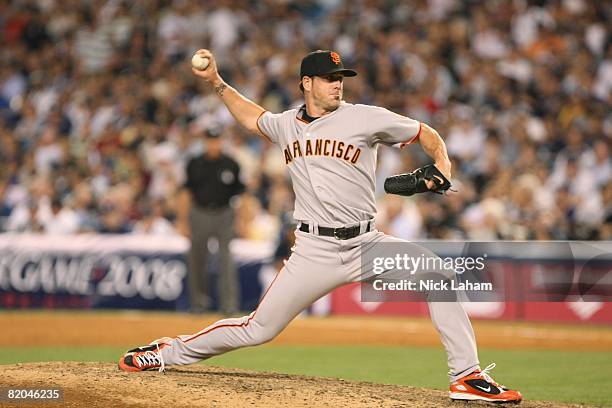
[330, 147]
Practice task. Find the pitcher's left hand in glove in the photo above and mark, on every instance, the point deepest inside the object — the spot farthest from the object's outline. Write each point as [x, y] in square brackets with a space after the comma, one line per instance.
[416, 182]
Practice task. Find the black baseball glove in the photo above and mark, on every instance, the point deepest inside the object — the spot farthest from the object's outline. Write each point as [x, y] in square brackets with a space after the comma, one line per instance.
[411, 183]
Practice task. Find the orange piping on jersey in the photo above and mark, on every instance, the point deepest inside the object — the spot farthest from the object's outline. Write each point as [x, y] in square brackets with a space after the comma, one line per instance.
[302, 120]
[414, 139]
[245, 324]
[258, 128]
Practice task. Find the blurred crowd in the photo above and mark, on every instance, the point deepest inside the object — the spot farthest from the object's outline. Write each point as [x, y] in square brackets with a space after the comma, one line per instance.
[99, 110]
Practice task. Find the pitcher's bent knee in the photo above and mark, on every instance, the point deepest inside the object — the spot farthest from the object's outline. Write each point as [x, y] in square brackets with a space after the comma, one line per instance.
[262, 334]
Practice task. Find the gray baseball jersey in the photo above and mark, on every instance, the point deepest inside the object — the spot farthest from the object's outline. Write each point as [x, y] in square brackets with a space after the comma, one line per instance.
[332, 160]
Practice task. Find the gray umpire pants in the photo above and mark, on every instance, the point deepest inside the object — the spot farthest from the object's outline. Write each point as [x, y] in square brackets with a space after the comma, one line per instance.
[207, 224]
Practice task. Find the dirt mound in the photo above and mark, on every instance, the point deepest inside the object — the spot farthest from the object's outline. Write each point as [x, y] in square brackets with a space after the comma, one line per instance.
[102, 385]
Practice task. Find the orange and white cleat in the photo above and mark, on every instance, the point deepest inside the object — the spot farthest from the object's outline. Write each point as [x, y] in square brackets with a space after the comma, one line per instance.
[480, 386]
[145, 357]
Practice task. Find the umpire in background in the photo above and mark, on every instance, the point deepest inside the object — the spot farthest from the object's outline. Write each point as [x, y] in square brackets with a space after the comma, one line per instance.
[204, 212]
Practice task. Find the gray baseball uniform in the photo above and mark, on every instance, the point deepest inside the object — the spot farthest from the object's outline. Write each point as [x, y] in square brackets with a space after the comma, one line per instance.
[332, 163]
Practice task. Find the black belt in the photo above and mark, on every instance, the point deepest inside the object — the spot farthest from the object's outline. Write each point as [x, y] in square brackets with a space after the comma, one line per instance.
[338, 233]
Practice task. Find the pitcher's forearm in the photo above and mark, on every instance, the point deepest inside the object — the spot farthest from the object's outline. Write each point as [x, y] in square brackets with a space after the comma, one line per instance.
[435, 148]
[245, 111]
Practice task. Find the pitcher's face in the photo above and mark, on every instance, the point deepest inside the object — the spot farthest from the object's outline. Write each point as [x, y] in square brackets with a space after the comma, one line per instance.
[326, 90]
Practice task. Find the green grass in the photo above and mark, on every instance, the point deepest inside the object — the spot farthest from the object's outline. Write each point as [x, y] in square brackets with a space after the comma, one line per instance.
[579, 377]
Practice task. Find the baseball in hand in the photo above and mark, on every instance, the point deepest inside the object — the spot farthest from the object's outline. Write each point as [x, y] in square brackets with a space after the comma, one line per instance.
[200, 63]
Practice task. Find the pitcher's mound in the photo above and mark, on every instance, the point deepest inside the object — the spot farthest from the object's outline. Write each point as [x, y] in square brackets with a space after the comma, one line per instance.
[102, 385]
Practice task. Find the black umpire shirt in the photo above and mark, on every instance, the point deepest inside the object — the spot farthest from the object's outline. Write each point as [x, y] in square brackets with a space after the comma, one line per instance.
[213, 182]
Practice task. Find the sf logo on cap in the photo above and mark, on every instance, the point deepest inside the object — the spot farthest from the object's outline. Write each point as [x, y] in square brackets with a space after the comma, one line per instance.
[335, 57]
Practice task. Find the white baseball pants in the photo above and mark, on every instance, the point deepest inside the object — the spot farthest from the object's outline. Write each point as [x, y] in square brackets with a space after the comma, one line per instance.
[318, 265]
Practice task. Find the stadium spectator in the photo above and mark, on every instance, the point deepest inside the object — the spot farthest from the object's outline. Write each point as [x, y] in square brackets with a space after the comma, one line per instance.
[99, 93]
[153, 221]
[400, 218]
[58, 219]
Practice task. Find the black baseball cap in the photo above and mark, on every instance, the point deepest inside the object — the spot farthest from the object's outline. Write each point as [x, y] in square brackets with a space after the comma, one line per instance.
[323, 62]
